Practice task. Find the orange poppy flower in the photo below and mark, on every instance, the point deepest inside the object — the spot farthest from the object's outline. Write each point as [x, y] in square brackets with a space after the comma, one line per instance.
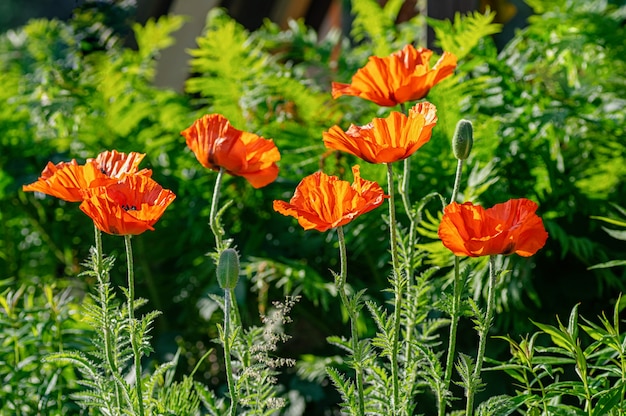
[323, 202]
[386, 140]
[130, 206]
[217, 144]
[507, 228]
[66, 180]
[403, 76]
[116, 164]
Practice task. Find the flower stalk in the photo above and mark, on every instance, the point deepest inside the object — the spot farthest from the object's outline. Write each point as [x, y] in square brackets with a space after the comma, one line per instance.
[134, 341]
[484, 331]
[353, 314]
[228, 295]
[213, 221]
[398, 288]
[456, 301]
[227, 272]
[102, 281]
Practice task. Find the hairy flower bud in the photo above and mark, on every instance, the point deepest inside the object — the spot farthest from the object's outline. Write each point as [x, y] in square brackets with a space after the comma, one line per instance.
[228, 269]
[463, 139]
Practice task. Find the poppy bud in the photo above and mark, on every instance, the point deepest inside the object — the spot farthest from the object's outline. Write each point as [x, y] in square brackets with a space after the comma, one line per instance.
[228, 269]
[463, 139]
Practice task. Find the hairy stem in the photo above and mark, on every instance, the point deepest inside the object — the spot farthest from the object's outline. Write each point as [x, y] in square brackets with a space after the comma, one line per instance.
[213, 223]
[353, 319]
[484, 331]
[456, 300]
[457, 180]
[106, 328]
[228, 294]
[395, 371]
[133, 323]
[454, 323]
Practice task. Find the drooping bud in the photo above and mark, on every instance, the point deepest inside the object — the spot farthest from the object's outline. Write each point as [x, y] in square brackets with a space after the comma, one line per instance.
[463, 139]
[228, 269]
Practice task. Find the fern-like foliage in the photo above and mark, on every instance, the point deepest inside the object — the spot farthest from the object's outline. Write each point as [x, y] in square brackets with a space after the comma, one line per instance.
[376, 24]
[464, 33]
[103, 369]
[107, 369]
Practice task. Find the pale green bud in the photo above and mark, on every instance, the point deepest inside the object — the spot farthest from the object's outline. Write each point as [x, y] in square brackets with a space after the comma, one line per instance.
[463, 139]
[228, 269]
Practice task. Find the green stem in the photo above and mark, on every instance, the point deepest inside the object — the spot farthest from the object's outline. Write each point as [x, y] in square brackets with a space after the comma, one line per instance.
[484, 331]
[456, 300]
[457, 180]
[392, 221]
[404, 194]
[133, 324]
[228, 294]
[213, 223]
[103, 280]
[398, 289]
[454, 323]
[353, 319]
[406, 201]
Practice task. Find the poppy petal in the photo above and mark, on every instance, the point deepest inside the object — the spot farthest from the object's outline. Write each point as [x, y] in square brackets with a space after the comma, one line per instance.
[403, 76]
[507, 228]
[323, 202]
[217, 144]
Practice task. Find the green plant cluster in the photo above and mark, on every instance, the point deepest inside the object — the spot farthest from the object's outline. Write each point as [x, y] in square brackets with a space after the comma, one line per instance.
[549, 115]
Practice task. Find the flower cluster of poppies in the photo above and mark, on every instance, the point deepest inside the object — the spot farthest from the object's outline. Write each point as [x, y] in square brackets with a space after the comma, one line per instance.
[124, 200]
[466, 229]
[113, 192]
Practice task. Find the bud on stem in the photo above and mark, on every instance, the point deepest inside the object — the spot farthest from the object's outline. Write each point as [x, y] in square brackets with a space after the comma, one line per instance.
[463, 139]
[228, 269]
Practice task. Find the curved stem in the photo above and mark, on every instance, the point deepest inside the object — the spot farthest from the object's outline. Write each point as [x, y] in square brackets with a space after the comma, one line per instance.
[398, 289]
[406, 201]
[213, 223]
[456, 300]
[133, 323]
[354, 336]
[392, 220]
[404, 194]
[484, 331]
[457, 180]
[228, 293]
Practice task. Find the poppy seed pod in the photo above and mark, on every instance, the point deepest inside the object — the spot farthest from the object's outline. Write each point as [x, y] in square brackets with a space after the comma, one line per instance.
[228, 269]
[463, 139]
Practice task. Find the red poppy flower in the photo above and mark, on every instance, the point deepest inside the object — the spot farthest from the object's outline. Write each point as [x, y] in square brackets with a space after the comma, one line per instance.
[115, 164]
[217, 144]
[386, 140]
[130, 206]
[403, 76]
[507, 228]
[323, 202]
[66, 180]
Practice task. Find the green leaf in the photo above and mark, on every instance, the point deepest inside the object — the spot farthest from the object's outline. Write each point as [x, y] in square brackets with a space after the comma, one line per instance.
[462, 35]
[611, 221]
[371, 22]
[609, 400]
[608, 264]
[560, 338]
[502, 405]
[155, 35]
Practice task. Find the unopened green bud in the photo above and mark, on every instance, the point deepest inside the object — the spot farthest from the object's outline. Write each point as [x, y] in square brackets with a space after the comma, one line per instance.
[228, 269]
[463, 139]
